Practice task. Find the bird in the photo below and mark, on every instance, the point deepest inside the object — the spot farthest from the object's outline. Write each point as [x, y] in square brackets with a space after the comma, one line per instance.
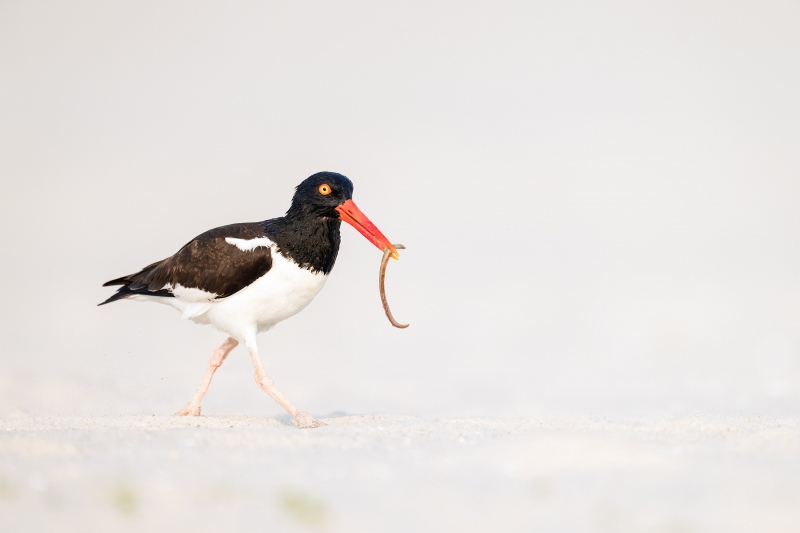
[245, 278]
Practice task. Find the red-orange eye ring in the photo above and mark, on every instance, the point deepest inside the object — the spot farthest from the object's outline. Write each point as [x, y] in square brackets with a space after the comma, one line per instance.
[324, 189]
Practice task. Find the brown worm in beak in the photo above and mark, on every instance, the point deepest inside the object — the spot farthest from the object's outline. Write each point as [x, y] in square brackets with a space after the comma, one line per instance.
[387, 254]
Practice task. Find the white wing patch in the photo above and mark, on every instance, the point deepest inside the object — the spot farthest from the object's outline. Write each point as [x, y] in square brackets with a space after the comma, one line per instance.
[248, 245]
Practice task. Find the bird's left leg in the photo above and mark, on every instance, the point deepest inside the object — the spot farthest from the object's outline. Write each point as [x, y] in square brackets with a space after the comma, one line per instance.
[301, 418]
[193, 408]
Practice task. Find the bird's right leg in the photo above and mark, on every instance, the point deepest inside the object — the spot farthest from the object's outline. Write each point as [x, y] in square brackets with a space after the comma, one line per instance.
[193, 408]
[301, 418]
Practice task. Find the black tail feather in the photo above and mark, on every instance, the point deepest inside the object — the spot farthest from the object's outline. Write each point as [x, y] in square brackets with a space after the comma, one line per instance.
[126, 292]
[119, 295]
[132, 284]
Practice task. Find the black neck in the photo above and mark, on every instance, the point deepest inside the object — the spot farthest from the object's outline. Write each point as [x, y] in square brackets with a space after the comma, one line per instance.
[308, 239]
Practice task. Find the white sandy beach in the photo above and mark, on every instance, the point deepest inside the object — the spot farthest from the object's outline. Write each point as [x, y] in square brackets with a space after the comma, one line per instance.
[399, 474]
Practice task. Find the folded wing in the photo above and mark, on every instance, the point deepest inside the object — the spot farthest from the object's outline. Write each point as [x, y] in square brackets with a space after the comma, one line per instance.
[210, 267]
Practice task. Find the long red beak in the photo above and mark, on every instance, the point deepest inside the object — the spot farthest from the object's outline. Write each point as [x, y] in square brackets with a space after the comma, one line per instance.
[351, 214]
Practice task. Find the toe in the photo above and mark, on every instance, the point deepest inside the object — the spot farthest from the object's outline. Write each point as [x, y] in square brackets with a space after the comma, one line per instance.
[189, 410]
[305, 421]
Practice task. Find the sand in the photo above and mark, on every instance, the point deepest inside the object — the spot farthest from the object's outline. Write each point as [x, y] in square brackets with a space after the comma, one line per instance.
[398, 473]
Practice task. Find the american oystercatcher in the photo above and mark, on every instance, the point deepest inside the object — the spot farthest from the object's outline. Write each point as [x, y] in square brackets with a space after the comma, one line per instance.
[245, 278]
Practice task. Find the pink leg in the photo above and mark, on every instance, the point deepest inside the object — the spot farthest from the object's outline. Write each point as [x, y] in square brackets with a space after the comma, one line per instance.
[303, 419]
[193, 408]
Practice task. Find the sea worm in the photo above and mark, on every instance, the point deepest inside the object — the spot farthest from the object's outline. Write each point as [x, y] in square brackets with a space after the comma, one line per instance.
[387, 253]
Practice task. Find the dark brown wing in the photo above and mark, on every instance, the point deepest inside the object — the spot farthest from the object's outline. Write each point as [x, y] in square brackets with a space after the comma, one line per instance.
[208, 262]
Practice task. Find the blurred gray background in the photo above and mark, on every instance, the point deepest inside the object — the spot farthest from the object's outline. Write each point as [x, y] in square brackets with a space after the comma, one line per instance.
[599, 200]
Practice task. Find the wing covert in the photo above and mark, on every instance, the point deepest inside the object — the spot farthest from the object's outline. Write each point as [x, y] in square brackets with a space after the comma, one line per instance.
[212, 266]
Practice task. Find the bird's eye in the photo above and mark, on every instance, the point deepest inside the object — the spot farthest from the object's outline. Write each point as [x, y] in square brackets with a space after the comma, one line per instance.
[324, 189]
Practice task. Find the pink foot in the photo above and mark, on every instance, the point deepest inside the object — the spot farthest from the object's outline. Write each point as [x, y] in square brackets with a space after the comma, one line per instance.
[305, 421]
[189, 410]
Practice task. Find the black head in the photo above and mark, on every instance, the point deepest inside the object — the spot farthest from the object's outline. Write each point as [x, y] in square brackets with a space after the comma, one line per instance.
[321, 194]
[327, 197]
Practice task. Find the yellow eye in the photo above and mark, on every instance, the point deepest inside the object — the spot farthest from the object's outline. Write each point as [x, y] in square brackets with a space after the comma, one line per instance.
[324, 189]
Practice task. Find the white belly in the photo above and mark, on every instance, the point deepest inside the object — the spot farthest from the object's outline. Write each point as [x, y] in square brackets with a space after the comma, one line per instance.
[280, 293]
